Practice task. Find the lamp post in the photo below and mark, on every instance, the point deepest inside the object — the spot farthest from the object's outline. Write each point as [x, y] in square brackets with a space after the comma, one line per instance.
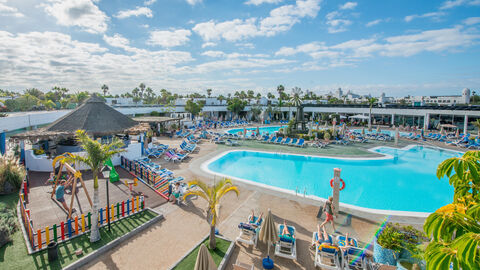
[106, 174]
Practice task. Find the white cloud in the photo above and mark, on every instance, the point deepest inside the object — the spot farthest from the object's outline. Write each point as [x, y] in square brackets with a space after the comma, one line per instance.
[44, 59]
[280, 19]
[214, 53]
[259, 2]
[117, 40]
[139, 11]
[8, 10]
[374, 22]
[209, 44]
[471, 20]
[432, 15]
[82, 13]
[194, 2]
[455, 3]
[149, 2]
[169, 38]
[336, 23]
[349, 5]
[350, 52]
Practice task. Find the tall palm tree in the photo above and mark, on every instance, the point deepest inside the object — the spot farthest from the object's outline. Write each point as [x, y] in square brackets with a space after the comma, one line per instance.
[97, 154]
[212, 194]
[105, 89]
[477, 124]
[371, 102]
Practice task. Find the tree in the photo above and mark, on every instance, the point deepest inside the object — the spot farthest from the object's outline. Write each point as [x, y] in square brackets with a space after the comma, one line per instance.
[477, 125]
[454, 228]
[97, 155]
[35, 92]
[296, 100]
[194, 107]
[142, 89]
[270, 95]
[256, 111]
[105, 89]
[221, 98]
[213, 195]
[209, 92]
[236, 105]
[371, 102]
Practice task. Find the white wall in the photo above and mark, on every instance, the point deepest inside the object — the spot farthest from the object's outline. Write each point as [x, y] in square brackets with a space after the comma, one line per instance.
[44, 164]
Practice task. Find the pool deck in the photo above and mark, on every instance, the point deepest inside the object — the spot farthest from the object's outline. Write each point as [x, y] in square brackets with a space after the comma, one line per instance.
[185, 225]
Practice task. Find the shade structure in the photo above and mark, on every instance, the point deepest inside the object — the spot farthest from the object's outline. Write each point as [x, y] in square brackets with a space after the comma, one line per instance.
[457, 134]
[258, 130]
[363, 131]
[93, 116]
[204, 260]
[378, 129]
[268, 232]
[359, 116]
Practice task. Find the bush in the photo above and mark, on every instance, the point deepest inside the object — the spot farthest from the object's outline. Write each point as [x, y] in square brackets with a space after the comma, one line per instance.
[327, 136]
[7, 225]
[398, 238]
[11, 174]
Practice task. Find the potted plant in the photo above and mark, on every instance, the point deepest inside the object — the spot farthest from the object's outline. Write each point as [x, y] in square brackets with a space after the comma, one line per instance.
[396, 242]
[11, 174]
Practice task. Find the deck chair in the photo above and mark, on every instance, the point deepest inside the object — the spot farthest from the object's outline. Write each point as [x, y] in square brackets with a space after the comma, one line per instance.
[327, 257]
[352, 257]
[242, 266]
[286, 246]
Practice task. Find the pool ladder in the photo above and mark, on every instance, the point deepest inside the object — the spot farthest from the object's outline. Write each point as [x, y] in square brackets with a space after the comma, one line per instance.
[304, 191]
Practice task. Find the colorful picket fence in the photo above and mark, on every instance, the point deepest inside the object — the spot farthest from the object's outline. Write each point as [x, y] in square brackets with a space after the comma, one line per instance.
[40, 238]
[159, 182]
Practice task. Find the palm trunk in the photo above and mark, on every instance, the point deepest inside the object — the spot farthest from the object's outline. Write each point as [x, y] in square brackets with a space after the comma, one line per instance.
[370, 120]
[213, 242]
[94, 232]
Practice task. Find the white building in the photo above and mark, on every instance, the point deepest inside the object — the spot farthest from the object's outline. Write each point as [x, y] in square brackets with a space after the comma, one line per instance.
[122, 101]
[464, 98]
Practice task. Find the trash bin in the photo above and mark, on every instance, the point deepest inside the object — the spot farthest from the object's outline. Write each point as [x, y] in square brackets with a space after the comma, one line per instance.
[52, 251]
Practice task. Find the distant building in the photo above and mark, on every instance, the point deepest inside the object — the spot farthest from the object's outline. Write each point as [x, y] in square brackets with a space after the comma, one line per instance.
[464, 98]
[122, 102]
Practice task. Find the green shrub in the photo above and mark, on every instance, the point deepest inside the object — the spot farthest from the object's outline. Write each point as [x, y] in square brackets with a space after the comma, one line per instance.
[327, 136]
[11, 174]
[7, 225]
[396, 237]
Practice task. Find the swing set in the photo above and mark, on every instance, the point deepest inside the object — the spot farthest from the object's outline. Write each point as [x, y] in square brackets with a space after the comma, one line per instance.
[77, 175]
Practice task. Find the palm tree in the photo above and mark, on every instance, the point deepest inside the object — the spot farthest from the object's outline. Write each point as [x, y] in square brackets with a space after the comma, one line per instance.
[371, 101]
[212, 194]
[97, 154]
[477, 124]
[454, 228]
[105, 89]
[209, 92]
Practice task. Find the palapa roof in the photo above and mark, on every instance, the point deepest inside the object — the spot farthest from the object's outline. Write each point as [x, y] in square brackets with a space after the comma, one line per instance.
[93, 116]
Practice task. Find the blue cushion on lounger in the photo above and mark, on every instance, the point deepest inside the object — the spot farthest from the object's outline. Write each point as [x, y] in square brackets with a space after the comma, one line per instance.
[287, 238]
[246, 226]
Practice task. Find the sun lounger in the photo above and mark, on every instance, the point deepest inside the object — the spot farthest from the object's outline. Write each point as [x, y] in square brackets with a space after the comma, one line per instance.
[272, 140]
[231, 142]
[286, 246]
[301, 143]
[327, 257]
[242, 266]
[352, 257]
[294, 141]
[279, 140]
[287, 141]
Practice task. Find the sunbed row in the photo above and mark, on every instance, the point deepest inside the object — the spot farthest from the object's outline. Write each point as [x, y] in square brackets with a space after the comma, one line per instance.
[284, 141]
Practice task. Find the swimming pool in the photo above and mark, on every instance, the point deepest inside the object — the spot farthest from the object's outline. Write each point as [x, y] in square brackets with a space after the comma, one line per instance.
[402, 180]
[262, 130]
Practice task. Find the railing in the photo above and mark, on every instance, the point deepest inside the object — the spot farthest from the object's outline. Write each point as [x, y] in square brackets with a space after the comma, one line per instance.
[39, 239]
[159, 182]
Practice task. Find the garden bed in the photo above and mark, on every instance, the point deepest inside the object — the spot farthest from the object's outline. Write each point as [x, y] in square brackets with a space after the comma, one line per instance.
[15, 256]
[220, 255]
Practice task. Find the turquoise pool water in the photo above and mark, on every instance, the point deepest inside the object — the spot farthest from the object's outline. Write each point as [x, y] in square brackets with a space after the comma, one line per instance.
[262, 130]
[404, 182]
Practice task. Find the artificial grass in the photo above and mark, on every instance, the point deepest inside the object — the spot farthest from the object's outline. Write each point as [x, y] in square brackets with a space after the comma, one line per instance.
[14, 255]
[188, 262]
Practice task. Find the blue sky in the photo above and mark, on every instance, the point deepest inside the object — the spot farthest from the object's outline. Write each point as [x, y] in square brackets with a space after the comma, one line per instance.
[398, 47]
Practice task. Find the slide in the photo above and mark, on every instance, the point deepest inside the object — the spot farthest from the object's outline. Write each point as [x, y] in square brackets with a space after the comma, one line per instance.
[114, 177]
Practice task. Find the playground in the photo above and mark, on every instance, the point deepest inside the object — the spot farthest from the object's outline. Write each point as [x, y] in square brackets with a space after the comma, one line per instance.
[46, 211]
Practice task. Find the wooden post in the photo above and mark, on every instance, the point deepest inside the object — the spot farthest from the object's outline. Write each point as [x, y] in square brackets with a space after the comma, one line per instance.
[73, 197]
[47, 235]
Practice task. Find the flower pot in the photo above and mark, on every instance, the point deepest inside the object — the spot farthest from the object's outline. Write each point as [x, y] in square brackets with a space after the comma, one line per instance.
[384, 255]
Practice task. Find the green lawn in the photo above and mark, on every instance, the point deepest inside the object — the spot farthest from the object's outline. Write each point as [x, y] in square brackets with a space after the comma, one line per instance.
[352, 150]
[14, 255]
[188, 262]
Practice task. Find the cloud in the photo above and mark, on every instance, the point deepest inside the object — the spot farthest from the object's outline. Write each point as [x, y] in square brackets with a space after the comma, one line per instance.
[81, 13]
[209, 44]
[194, 2]
[214, 53]
[259, 2]
[374, 22]
[352, 51]
[456, 3]
[432, 15]
[280, 19]
[44, 59]
[471, 20]
[8, 10]
[149, 2]
[169, 38]
[117, 40]
[139, 11]
[335, 23]
[348, 5]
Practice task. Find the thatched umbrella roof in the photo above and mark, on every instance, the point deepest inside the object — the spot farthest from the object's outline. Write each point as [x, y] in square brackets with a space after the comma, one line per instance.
[93, 116]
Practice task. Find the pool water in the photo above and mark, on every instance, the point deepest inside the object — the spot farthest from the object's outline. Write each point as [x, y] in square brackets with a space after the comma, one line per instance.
[263, 130]
[404, 180]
